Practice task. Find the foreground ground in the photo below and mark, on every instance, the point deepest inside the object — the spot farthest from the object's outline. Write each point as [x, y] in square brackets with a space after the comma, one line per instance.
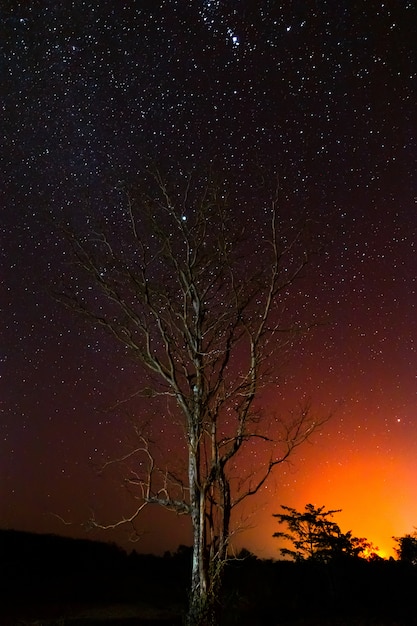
[142, 615]
[52, 581]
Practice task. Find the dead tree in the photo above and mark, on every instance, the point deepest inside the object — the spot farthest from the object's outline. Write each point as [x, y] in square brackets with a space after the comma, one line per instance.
[197, 296]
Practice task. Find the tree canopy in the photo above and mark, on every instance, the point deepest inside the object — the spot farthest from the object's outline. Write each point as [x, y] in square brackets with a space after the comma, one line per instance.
[314, 535]
[199, 299]
[406, 548]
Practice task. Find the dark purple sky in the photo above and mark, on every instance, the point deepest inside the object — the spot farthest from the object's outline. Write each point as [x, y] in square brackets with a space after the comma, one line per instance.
[325, 93]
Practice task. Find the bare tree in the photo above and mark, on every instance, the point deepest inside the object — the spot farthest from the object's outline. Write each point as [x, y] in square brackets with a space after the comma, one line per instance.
[198, 298]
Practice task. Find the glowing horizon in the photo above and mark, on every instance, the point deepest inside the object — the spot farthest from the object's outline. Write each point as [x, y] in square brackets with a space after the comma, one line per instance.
[374, 488]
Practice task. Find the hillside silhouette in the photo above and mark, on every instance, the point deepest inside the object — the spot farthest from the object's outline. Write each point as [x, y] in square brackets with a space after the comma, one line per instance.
[51, 580]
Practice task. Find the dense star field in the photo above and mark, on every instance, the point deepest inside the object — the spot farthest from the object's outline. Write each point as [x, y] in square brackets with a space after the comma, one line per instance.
[323, 93]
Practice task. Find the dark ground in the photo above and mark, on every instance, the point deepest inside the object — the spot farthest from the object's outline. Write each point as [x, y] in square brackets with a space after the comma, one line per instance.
[54, 581]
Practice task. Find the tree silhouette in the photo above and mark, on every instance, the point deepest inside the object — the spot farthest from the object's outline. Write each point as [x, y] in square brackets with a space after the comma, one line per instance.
[197, 297]
[407, 548]
[314, 535]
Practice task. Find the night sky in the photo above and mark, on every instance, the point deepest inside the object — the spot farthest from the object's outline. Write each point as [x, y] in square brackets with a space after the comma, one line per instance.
[324, 92]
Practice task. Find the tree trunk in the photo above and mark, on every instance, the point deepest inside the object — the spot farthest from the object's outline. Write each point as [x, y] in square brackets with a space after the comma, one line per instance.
[198, 612]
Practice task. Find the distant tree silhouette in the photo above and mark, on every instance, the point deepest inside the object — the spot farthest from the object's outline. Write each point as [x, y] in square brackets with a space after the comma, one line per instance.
[314, 535]
[244, 553]
[407, 548]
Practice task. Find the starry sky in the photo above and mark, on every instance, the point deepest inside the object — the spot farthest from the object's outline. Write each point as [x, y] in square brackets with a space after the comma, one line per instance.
[323, 92]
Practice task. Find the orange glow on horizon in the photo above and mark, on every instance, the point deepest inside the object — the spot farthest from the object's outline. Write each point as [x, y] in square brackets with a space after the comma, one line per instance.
[373, 487]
